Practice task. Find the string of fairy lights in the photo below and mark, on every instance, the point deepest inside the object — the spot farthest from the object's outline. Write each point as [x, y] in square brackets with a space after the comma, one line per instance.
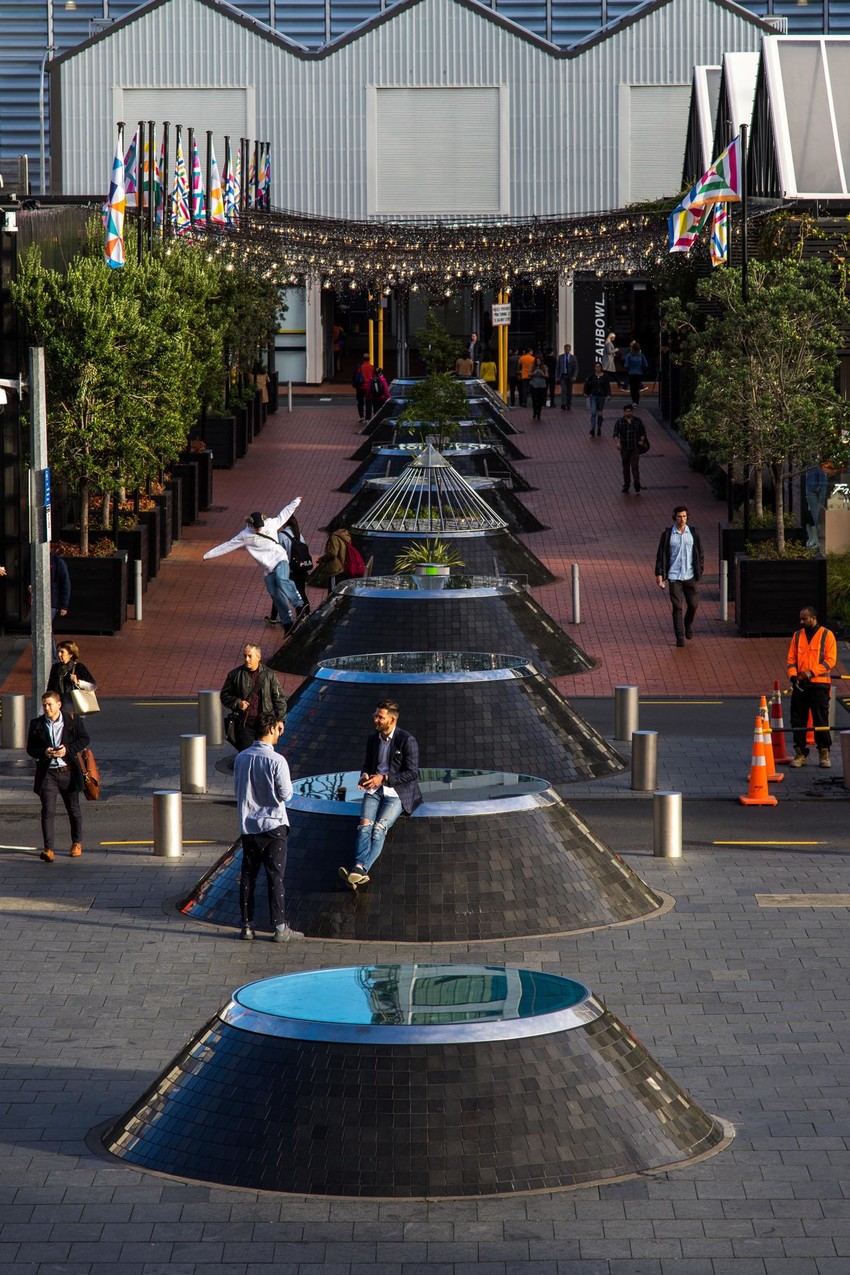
[440, 257]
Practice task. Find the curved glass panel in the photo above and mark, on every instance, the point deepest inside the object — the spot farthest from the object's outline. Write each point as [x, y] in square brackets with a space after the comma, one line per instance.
[412, 995]
[436, 785]
[425, 662]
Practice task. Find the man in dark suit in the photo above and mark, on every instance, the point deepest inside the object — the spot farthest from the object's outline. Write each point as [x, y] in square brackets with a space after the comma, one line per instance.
[55, 740]
[390, 784]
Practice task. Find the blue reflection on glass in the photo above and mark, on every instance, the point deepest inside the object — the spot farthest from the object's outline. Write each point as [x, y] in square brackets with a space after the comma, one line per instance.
[437, 784]
[393, 995]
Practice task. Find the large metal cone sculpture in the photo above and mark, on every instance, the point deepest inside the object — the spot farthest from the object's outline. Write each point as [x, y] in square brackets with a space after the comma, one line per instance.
[470, 613]
[472, 460]
[411, 1080]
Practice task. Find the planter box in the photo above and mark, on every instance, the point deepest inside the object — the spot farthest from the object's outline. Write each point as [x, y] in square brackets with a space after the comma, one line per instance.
[205, 478]
[98, 595]
[242, 432]
[187, 472]
[731, 541]
[135, 541]
[274, 391]
[220, 438]
[166, 522]
[152, 519]
[175, 488]
[770, 593]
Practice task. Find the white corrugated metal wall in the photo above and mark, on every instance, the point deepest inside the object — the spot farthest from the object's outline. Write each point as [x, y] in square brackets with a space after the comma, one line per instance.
[565, 129]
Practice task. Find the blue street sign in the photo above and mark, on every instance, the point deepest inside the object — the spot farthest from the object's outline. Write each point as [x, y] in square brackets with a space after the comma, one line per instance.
[47, 488]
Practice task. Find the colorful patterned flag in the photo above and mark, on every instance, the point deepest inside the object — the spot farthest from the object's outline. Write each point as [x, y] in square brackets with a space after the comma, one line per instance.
[720, 234]
[684, 227]
[113, 248]
[252, 179]
[216, 195]
[199, 201]
[267, 178]
[722, 181]
[180, 219]
[159, 184]
[231, 189]
[130, 174]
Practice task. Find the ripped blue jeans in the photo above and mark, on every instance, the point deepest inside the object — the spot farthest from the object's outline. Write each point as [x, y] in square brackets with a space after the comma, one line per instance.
[377, 816]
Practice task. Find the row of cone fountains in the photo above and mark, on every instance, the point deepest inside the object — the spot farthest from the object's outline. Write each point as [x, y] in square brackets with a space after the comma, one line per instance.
[495, 853]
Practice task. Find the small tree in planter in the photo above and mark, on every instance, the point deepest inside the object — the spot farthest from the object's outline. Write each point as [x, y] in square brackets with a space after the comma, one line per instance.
[765, 370]
[437, 404]
[438, 348]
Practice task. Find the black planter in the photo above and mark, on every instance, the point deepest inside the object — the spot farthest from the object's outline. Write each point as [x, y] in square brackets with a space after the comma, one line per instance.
[165, 501]
[220, 438]
[187, 472]
[135, 541]
[205, 478]
[257, 413]
[98, 595]
[175, 487]
[770, 593]
[243, 436]
[731, 541]
[274, 391]
[152, 519]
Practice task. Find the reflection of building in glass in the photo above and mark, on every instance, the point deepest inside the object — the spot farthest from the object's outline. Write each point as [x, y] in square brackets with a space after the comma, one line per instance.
[422, 994]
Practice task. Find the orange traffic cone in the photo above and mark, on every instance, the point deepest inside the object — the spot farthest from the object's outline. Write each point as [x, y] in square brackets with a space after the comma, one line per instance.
[772, 774]
[758, 794]
[777, 729]
[810, 731]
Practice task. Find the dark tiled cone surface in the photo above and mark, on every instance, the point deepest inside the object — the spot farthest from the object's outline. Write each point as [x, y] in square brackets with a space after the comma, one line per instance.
[523, 724]
[497, 553]
[440, 879]
[471, 1119]
[487, 464]
[509, 622]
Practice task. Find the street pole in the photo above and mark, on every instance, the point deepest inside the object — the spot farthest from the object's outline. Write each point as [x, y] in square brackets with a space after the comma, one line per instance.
[39, 529]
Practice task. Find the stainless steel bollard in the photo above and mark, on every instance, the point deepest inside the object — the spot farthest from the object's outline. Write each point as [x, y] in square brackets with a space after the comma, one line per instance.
[576, 593]
[13, 730]
[289, 396]
[667, 825]
[193, 763]
[626, 704]
[724, 589]
[844, 741]
[137, 589]
[645, 760]
[210, 718]
[167, 824]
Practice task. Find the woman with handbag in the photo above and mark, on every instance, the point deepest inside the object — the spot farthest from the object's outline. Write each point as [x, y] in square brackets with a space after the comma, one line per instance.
[72, 681]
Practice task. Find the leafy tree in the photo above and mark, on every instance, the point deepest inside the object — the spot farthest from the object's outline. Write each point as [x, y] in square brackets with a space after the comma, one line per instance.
[439, 349]
[438, 402]
[765, 370]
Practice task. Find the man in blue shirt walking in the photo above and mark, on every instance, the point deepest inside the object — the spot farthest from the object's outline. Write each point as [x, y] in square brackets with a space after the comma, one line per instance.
[263, 787]
[680, 562]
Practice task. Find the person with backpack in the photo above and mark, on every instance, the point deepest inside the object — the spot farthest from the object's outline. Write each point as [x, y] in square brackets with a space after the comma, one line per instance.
[362, 382]
[379, 390]
[260, 538]
[636, 369]
[340, 561]
[300, 563]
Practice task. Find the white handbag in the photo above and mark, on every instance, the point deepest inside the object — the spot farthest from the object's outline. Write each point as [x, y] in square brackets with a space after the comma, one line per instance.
[84, 701]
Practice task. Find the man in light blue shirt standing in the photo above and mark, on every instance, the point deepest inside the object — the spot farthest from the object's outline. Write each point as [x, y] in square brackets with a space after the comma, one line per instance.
[680, 561]
[263, 787]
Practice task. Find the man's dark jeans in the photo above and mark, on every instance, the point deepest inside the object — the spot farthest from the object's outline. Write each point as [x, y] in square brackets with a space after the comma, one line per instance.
[684, 595]
[631, 465]
[267, 850]
[810, 697]
[59, 782]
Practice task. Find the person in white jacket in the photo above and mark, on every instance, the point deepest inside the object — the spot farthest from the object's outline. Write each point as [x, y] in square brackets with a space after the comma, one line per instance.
[259, 537]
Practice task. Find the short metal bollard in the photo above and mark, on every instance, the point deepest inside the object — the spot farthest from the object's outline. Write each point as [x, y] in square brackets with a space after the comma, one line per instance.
[13, 729]
[844, 740]
[626, 706]
[644, 760]
[167, 824]
[193, 763]
[667, 825]
[137, 589]
[210, 718]
[576, 581]
[724, 589]
[289, 396]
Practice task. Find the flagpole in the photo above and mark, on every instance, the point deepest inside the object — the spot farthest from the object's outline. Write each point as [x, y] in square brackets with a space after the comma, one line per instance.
[190, 171]
[209, 177]
[745, 283]
[140, 187]
[151, 180]
[166, 199]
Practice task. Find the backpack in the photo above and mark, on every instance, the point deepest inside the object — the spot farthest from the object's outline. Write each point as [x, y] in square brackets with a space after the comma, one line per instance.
[300, 557]
[378, 392]
[354, 564]
[358, 380]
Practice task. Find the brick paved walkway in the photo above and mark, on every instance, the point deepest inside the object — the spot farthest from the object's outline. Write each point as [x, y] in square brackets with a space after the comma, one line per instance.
[197, 615]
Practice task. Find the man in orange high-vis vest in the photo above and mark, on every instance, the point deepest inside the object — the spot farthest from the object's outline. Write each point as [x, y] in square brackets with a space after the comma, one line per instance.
[811, 655]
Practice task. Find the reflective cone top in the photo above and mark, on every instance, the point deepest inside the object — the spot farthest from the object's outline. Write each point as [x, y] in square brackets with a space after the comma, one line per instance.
[757, 794]
[777, 725]
[773, 776]
[430, 497]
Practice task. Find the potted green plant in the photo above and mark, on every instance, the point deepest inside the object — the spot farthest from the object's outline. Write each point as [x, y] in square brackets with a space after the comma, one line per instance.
[430, 561]
[765, 394]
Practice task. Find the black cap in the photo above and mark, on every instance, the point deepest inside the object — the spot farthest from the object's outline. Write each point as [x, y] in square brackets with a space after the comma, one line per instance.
[256, 519]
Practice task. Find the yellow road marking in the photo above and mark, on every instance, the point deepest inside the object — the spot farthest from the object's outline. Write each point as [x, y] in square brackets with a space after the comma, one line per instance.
[768, 843]
[803, 900]
[682, 701]
[158, 703]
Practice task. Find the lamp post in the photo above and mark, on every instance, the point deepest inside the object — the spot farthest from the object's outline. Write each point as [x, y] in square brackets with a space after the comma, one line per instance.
[48, 53]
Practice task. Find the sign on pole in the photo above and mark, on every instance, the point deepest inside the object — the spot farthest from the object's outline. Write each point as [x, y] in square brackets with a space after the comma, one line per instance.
[500, 316]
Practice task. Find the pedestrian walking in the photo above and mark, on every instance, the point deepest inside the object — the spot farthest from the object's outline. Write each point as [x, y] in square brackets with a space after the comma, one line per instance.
[488, 369]
[55, 740]
[69, 673]
[636, 368]
[300, 563]
[249, 691]
[362, 382]
[566, 372]
[630, 437]
[552, 373]
[526, 363]
[340, 561]
[390, 784]
[609, 356]
[513, 375]
[811, 657]
[260, 538]
[597, 391]
[263, 787]
[679, 563]
[538, 384]
[379, 390]
[464, 367]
